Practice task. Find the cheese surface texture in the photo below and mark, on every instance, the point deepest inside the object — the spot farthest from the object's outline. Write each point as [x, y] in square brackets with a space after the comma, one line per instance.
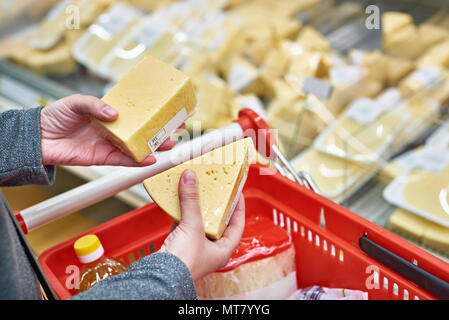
[150, 96]
[220, 173]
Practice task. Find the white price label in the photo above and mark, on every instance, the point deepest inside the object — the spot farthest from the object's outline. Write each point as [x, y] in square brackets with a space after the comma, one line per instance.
[364, 110]
[427, 77]
[345, 75]
[433, 159]
[168, 130]
[241, 76]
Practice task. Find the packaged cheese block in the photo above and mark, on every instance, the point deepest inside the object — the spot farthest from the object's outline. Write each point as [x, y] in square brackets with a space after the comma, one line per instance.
[214, 103]
[104, 34]
[422, 79]
[363, 132]
[276, 62]
[261, 267]
[397, 68]
[56, 61]
[437, 56]
[221, 175]
[151, 36]
[398, 166]
[245, 78]
[335, 177]
[427, 233]
[429, 35]
[310, 38]
[152, 100]
[403, 42]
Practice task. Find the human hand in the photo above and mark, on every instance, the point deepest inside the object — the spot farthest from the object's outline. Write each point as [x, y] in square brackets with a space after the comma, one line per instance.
[69, 138]
[188, 241]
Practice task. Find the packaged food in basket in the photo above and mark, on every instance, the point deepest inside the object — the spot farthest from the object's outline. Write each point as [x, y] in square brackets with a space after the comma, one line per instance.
[96, 266]
[221, 175]
[153, 100]
[321, 293]
[104, 34]
[261, 267]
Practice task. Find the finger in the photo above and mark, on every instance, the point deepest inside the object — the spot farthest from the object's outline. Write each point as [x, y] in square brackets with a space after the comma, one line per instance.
[89, 105]
[167, 145]
[118, 158]
[233, 233]
[189, 201]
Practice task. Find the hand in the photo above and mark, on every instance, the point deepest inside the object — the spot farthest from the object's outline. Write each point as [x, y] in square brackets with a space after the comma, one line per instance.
[188, 241]
[69, 138]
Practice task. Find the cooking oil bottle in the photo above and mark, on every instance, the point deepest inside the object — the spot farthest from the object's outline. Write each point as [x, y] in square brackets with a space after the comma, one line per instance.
[96, 266]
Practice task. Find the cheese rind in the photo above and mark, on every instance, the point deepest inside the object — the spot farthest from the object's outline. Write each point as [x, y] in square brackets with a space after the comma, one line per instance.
[147, 98]
[221, 174]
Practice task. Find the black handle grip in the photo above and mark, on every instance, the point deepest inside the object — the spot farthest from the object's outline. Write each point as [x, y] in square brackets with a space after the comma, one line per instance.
[420, 277]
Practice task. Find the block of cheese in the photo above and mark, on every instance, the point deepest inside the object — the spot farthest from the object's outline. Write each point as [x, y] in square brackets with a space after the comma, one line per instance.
[310, 38]
[393, 21]
[429, 35]
[104, 34]
[426, 232]
[261, 267]
[397, 68]
[153, 100]
[402, 43]
[398, 165]
[57, 60]
[363, 132]
[221, 175]
[335, 177]
[276, 62]
[214, 103]
[436, 56]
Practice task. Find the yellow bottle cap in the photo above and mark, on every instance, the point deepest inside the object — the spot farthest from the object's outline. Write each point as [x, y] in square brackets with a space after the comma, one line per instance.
[87, 245]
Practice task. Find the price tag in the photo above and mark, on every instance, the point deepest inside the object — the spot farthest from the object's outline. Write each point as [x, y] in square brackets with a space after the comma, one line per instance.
[345, 75]
[241, 76]
[433, 159]
[364, 110]
[427, 77]
[317, 87]
[389, 98]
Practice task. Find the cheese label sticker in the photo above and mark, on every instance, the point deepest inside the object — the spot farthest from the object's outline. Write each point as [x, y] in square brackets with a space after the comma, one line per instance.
[364, 110]
[236, 199]
[427, 77]
[433, 159]
[240, 77]
[168, 130]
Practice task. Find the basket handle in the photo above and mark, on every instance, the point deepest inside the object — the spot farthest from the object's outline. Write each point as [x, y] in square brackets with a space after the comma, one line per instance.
[412, 272]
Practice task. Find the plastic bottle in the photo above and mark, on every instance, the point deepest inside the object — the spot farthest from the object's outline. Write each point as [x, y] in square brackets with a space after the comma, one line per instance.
[96, 266]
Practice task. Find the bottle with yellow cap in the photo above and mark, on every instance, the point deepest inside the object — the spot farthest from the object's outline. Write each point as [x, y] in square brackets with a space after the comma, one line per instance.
[96, 266]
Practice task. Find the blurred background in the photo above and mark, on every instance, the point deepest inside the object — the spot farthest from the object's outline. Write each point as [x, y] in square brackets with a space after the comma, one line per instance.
[376, 145]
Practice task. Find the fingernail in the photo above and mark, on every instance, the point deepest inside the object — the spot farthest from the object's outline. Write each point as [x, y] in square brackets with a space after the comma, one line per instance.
[189, 178]
[108, 111]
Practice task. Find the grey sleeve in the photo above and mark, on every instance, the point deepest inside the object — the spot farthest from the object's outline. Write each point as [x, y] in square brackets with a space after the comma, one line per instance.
[159, 276]
[20, 149]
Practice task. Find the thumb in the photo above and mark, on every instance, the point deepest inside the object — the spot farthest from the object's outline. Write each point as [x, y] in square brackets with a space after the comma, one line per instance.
[89, 105]
[189, 201]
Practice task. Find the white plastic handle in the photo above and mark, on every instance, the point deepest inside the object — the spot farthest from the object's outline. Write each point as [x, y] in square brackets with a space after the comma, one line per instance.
[109, 185]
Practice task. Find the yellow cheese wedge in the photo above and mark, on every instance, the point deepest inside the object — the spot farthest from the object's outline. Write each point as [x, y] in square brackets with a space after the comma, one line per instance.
[221, 174]
[276, 62]
[153, 99]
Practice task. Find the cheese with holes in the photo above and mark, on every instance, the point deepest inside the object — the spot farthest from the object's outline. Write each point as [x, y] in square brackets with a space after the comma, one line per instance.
[261, 267]
[221, 175]
[153, 100]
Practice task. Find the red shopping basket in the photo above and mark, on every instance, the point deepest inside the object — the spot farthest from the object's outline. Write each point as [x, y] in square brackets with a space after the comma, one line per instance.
[327, 237]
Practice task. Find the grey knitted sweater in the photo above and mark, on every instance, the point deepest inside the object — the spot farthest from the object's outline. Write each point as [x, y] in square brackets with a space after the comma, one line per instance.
[158, 276]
